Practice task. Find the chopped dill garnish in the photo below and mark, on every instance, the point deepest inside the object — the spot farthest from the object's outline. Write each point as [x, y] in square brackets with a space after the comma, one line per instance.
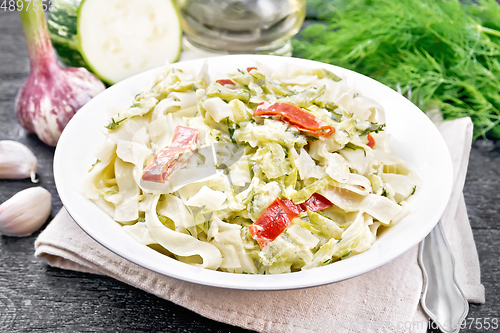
[115, 124]
[374, 127]
[93, 165]
[232, 127]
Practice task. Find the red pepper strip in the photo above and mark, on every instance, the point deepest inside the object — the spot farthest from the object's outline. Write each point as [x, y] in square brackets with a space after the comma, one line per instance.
[167, 160]
[249, 69]
[371, 141]
[277, 217]
[272, 222]
[295, 116]
[291, 208]
[315, 203]
[185, 137]
[225, 81]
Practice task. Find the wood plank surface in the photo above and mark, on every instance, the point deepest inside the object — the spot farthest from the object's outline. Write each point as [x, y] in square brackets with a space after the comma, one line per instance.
[37, 298]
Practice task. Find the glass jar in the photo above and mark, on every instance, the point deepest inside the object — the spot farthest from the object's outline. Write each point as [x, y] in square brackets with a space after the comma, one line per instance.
[241, 26]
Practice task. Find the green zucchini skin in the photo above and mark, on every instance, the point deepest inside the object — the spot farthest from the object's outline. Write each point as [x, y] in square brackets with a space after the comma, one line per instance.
[62, 24]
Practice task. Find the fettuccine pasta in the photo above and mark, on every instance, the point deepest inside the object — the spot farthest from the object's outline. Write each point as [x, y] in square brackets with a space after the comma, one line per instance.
[254, 171]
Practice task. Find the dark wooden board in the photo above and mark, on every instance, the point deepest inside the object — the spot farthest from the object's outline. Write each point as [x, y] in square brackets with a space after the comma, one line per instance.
[37, 298]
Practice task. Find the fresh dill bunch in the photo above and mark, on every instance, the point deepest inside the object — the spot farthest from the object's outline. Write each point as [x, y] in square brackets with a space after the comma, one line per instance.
[438, 53]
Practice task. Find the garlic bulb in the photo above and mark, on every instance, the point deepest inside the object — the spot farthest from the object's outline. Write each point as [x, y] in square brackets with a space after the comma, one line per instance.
[51, 95]
[25, 212]
[17, 161]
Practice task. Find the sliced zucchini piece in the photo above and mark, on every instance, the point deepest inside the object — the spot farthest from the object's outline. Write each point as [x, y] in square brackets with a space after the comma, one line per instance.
[116, 38]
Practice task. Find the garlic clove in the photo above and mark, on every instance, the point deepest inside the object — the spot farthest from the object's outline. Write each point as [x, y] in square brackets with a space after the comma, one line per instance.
[25, 212]
[17, 161]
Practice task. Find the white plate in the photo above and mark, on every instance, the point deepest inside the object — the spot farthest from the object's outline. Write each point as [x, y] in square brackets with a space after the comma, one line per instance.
[414, 138]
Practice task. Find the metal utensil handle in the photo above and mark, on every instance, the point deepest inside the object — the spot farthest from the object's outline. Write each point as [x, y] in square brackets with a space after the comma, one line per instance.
[442, 299]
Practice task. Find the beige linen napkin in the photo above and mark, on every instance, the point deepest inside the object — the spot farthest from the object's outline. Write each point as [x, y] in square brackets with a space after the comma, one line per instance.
[386, 298]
